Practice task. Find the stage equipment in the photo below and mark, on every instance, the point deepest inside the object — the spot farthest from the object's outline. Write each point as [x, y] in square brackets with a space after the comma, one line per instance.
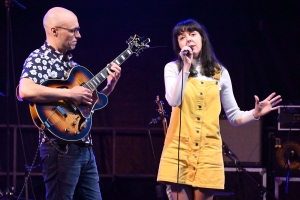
[289, 118]
[279, 188]
[244, 141]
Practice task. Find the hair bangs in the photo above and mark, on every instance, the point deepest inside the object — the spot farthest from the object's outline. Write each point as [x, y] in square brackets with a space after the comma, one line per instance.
[187, 25]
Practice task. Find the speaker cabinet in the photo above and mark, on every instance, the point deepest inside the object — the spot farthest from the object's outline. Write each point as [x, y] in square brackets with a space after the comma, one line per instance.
[243, 141]
[285, 149]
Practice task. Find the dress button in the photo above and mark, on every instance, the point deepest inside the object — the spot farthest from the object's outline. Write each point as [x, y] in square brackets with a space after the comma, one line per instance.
[198, 118]
[196, 144]
[197, 131]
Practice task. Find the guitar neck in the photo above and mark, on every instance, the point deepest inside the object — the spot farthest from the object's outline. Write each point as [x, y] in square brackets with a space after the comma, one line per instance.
[103, 74]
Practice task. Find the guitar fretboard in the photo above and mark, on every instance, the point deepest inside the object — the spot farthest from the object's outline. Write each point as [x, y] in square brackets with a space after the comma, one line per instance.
[103, 74]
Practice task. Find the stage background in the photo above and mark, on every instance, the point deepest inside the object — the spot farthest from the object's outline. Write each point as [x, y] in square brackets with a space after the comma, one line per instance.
[257, 41]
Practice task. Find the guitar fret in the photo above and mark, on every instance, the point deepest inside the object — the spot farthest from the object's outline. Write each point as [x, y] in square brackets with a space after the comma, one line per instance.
[88, 86]
[94, 81]
[92, 85]
[117, 62]
[123, 57]
[96, 77]
[102, 75]
[129, 52]
[100, 78]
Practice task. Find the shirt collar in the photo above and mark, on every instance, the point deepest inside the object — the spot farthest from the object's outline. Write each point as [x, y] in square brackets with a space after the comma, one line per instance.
[63, 57]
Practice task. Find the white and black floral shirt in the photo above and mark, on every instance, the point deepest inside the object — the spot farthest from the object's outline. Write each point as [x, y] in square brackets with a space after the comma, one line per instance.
[47, 63]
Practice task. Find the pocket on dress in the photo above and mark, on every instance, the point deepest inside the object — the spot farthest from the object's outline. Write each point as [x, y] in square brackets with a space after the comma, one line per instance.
[213, 152]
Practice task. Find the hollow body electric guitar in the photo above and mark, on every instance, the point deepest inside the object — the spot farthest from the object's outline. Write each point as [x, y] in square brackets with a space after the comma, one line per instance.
[71, 121]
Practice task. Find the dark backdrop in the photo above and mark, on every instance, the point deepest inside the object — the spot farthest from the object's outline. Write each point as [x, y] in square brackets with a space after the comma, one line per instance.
[258, 42]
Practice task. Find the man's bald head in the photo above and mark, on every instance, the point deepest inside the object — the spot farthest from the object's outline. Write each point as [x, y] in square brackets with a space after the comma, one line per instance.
[57, 16]
[62, 29]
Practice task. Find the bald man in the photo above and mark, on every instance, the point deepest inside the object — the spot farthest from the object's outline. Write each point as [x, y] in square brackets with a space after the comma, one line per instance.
[68, 168]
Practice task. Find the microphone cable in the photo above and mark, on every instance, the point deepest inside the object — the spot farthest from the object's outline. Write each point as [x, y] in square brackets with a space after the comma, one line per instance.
[287, 177]
[179, 132]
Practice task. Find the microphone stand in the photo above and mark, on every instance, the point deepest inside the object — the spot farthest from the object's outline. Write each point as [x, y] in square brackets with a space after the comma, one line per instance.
[160, 193]
[287, 178]
[227, 152]
[8, 3]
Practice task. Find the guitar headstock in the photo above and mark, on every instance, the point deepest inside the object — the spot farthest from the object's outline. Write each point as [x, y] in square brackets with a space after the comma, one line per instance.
[137, 44]
[160, 109]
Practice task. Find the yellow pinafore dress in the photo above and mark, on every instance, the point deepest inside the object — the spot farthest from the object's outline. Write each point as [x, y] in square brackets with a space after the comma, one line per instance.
[200, 148]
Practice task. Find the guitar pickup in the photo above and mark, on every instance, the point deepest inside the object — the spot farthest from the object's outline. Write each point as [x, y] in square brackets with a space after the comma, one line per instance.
[61, 111]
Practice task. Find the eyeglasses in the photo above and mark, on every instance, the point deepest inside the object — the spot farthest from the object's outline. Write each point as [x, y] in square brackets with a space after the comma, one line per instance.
[73, 30]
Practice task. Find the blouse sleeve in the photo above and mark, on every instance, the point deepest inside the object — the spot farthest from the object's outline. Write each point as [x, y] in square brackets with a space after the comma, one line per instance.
[175, 82]
[235, 116]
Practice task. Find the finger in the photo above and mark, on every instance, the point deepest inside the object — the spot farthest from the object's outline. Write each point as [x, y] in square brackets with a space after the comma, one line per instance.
[256, 99]
[88, 90]
[89, 95]
[114, 65]
[116, 69]
[276, 102]
[275, 98]
[87, 100]
[271, 96]
[275, 108]
[109, 72]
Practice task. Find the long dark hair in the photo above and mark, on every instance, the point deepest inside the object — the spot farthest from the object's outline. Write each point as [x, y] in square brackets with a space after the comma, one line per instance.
[209, 62]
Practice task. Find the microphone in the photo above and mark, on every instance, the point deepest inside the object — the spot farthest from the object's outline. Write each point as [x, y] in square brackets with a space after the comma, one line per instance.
[155, 120]
[186, 52]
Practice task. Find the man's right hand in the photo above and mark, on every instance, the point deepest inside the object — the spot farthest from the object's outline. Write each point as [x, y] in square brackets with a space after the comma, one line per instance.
[81, 94]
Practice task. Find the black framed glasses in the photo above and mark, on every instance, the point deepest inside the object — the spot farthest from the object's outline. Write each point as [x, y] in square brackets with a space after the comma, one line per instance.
[73, 30]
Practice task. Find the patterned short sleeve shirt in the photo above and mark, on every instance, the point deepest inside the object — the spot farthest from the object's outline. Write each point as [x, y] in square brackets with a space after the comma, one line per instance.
[47, 63]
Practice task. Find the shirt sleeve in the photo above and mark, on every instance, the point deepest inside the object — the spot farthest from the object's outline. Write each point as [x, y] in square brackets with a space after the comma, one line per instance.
[235, 116]
[175, 82]
[36, 68]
